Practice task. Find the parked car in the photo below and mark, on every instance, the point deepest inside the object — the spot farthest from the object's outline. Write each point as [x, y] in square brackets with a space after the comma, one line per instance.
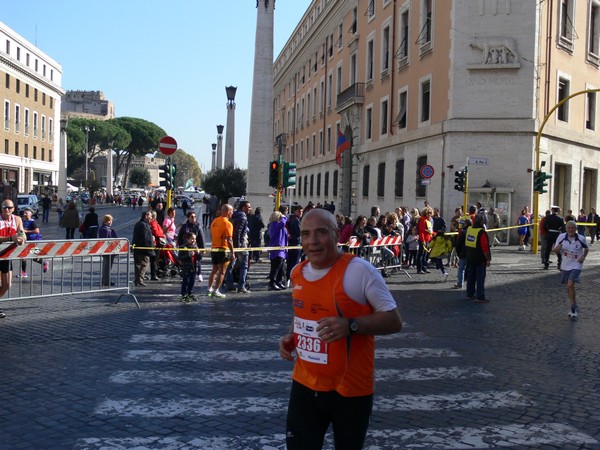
[25, 201]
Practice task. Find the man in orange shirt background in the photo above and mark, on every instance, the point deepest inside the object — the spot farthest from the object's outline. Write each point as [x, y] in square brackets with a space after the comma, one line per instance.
[221, 231]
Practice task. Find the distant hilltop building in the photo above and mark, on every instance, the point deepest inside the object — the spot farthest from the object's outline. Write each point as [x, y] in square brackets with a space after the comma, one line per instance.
[88, 104]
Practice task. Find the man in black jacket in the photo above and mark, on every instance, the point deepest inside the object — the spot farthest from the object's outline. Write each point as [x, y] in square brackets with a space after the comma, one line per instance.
[240, 240]
[142, 237]
[553, 226]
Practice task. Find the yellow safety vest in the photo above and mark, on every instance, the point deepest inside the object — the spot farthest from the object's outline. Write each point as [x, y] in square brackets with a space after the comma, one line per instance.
[471, 237]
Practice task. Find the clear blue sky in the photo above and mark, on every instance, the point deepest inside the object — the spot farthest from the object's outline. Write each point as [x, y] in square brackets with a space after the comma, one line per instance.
[164, 61]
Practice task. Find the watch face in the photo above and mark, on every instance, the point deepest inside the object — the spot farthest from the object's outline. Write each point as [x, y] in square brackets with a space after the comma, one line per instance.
[353, 326]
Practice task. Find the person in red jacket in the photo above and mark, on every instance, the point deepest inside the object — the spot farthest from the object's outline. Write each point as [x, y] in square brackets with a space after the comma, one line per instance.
[425, 229]
[340, 302]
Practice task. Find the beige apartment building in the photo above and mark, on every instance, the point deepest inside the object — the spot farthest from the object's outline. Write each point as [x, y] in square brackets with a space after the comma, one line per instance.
[30, 91]
[422, 88]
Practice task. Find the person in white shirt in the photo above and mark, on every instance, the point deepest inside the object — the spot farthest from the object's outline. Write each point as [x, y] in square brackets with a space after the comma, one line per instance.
[574, 249]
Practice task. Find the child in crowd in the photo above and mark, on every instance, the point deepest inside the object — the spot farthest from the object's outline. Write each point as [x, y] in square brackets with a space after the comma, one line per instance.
[440, 246]
[412, 244]
[188, 255]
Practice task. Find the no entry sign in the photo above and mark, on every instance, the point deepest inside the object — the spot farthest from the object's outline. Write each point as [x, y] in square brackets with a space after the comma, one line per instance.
[167, 145]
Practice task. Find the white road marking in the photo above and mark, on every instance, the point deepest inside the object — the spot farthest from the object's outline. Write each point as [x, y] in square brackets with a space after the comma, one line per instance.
[229, 356]
[270, 377]
[202, 407]
[201, 324]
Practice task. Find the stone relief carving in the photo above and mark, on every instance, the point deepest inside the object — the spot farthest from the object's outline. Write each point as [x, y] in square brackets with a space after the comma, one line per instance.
[496, 50]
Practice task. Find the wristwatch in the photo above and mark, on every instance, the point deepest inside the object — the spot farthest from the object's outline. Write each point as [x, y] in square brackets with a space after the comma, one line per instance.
[352, 326]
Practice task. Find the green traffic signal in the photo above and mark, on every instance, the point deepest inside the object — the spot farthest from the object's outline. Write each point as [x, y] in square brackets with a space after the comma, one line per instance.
[540, 181]
[289, 174]
[172, 174]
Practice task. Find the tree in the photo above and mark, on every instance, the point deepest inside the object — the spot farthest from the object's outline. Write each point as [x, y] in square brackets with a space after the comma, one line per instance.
[226, 183]
[187, 168]
[144, 139]
[140, 177]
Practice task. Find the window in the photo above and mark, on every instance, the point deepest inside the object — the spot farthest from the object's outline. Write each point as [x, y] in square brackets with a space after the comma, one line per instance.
[328, 140]
[6, 115]
[353, 69]
[308, 106]
[7, 78]
[340, 35]
[318, 185]
[370, 13]
[339, 80]
[365, 180]
[35, 125]
[50, 129]
[34, 152]
[594, 33]
[299, 186]
[44, 98]
[314, 146]
[26, 121]
[369, 124]
[425, 100]
[6, 146]
[421, 189]
[43, 127]
[381, 179]
[384, 117]
[35, 95]
[329, 91]
[18, 86]
[17, 118]
[370, 60]
[354, 25]
[425, 35]
[402, 105]
[301, 150]
[312, 183]
[335, 183]
[563, 92]
[7, 47]
[566, 29]
[16, 148]
[326, 185]
[320, 142]
[404, 37]
[26, 90]
[26, 151]
[322, 98]
[399, 181]
[385, 50]
[314, 103]
[590, 113]
[305, 185]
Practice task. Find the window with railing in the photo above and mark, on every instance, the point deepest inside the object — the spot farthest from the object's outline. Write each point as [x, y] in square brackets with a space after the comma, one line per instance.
[426, 34]
[593, 54]
[566, 28]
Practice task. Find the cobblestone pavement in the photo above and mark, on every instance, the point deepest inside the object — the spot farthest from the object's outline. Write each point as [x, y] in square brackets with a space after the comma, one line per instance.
[86, 373]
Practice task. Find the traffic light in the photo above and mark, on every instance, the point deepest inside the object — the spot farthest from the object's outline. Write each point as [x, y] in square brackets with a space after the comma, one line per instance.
[540, 181]
[289, 174]
[164, 176]
[274, 174]
[460, 180]
[172, 173]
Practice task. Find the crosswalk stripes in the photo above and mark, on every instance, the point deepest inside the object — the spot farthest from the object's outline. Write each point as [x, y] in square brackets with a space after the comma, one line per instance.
[151, 361]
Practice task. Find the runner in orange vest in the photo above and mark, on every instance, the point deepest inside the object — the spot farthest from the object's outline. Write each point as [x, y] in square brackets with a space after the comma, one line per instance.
[340, 302]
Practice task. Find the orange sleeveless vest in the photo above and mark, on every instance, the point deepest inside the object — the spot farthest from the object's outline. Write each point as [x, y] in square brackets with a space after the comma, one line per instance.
[346, 365]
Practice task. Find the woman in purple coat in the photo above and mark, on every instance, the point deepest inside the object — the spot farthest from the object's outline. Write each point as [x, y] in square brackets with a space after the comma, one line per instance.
[277, 238]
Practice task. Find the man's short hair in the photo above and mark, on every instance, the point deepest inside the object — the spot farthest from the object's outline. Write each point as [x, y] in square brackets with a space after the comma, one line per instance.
[243, 204]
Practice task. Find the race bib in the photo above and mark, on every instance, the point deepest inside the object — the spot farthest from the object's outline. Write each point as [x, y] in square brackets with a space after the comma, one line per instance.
[309, 345]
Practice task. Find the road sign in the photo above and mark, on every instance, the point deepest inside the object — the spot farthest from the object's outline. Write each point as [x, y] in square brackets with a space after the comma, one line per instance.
[427, 171]
[477, 161]
[167, 145]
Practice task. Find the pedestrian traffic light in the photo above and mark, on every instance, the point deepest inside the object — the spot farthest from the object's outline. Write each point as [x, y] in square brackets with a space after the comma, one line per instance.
[460, 180]
[172, 173]
[274, 174]
[540, 181]
[164, 176]
[289, 174]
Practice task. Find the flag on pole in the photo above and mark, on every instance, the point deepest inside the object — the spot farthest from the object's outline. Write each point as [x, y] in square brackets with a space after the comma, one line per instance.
[342, 146]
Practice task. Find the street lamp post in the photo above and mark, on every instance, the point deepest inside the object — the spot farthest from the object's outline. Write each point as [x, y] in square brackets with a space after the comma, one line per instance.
[87, 140]
[219, 163]
[214, 156]
[230, 127]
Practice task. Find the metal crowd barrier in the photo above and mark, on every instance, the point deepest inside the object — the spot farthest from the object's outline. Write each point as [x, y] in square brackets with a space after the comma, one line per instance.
[73, 267]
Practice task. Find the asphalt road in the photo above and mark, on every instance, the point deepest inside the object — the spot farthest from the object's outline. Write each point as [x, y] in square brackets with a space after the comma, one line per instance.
[86, 373]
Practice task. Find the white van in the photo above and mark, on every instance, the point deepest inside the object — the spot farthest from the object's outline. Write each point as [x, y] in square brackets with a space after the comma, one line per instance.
[25, 201]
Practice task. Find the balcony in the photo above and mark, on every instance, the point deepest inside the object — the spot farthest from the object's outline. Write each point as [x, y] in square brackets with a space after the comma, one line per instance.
[353, 95]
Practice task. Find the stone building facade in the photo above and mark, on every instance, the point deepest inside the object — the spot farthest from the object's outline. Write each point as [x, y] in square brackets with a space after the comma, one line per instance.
[422, 88]
[31, 92]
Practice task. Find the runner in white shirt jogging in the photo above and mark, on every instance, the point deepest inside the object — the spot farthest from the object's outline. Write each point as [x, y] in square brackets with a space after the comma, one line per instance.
[574, 249]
